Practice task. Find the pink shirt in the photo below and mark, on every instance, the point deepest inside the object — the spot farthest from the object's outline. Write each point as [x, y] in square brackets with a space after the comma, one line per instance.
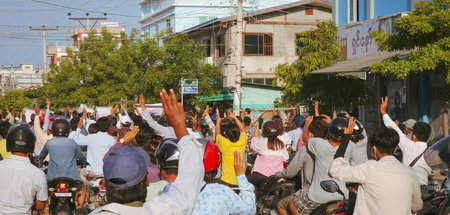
[268, 162]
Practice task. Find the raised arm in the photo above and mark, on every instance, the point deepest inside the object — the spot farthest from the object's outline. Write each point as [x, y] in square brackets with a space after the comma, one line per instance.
[246, 203]
[47, 115]
[236, 120]
[388, 122]
[217, 129]
[180, 199]
[305, 134]
[165, 132]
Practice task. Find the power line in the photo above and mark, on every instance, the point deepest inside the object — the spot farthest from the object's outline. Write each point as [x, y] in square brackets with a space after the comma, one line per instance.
[81, 9]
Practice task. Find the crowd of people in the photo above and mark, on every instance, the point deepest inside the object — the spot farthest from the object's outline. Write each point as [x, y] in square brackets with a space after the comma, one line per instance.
[210, 162]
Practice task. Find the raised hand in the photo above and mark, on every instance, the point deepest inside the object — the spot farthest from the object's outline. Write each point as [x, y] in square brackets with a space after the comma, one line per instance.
[316, 108]
[384, 105]
[174, 112]
[37, 111]
[48, 102]
[142, 102]
[350, 126]
[131, 135]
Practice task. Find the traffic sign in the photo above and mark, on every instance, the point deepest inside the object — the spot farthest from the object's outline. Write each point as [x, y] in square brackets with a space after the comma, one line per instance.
[190, 90]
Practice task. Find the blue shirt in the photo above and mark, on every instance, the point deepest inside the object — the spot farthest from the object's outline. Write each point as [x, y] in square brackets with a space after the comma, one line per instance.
[63, 153]
[220, 199]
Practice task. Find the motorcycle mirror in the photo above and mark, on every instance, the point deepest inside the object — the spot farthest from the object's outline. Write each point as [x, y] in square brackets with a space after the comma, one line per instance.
[329, 186]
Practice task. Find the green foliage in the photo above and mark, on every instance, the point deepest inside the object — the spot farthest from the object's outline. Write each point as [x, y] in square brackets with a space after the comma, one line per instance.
[16, 100]
[425, 31]
[107, 70]
[320, 50]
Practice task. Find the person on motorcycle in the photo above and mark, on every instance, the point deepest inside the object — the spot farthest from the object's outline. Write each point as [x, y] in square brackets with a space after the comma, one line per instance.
[272, 153]
[230, 137]
[130, 171]
[167, 157]
[216, 198]
[302, 161]
[22, 184]
[323, 152]
[98, 144]
[386, 185]
[64, 153]
[413, 148]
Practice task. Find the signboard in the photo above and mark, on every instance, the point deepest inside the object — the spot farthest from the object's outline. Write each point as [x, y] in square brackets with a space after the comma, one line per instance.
[189, 86]
[355, 39]
[189, 90]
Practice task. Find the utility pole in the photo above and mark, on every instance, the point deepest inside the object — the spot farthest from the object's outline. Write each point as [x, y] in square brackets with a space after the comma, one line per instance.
[44, 42]
[239, 30]
[87, 18]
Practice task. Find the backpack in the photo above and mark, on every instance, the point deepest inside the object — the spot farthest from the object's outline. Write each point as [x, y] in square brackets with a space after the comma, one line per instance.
[273, 190]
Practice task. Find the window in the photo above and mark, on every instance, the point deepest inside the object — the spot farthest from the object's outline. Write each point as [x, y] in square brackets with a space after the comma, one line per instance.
[168, 24]
[246, 80]
[298, 43]
[353, 10]
[269, 81]
[207, 45]
[258, 80]
[309, 11]
[221, 45]
[258, 44]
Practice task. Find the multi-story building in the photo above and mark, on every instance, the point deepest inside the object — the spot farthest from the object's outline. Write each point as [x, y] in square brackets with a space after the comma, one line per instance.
[269, 39]
[19, 77]
[158, 15]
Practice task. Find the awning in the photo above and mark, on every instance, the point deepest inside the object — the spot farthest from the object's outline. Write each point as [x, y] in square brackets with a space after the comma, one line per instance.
[361, 64]
[216, 98]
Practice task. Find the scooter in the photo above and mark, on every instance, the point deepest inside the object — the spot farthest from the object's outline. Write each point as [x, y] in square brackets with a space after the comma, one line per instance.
[440, 198]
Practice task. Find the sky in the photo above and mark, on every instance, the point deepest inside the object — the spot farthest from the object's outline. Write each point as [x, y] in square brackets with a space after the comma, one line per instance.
[20, 45]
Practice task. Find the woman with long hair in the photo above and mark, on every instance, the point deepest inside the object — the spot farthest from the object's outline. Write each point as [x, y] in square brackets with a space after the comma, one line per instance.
[230, 136]
[272, 153]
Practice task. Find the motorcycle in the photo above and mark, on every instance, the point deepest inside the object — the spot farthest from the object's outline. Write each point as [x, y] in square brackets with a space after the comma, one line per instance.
[63, 194]
[344, 207]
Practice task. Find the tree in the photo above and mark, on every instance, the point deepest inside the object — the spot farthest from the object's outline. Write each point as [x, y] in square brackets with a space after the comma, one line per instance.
[425, 31]
[16, 100]
[320, 49]
[107, 70]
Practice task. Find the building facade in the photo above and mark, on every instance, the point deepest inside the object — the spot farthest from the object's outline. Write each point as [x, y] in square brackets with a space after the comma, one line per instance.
[269, 39]
[19, 77]
[178, 15]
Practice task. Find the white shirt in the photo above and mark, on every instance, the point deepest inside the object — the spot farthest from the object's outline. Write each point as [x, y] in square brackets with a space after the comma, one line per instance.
[286, 139]
[295, 136]
[387, 186]
[21, 183]
[155, 189]
[410, 151]
[324, 153]
[358, 151]
[98, 144]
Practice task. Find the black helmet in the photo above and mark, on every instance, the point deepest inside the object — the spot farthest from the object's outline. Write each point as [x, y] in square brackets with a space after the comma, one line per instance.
[167, 154]
[337, 127]
[357, 134]
[270, 129]
[20, 138]
[60, 128]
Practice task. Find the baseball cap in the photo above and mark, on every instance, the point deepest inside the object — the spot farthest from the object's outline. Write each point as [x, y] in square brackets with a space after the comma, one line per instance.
[129, 164]
[299, 121]
[409, 123]
[125, 120]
